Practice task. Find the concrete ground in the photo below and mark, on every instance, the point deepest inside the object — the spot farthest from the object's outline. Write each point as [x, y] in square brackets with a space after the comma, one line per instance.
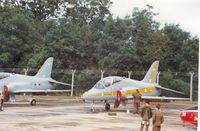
[61, 114]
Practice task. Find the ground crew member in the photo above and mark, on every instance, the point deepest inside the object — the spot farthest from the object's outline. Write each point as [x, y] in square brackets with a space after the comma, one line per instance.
[1, 100]
[119, 98]
[157, 118]
[136, 101]
[146, 115]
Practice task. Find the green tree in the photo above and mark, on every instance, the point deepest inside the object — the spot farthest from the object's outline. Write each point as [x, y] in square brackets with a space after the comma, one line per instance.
[41, 9]
[17, 36]
[82, 12]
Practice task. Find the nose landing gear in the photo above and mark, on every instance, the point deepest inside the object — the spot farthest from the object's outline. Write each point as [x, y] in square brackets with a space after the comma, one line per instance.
[33, 102]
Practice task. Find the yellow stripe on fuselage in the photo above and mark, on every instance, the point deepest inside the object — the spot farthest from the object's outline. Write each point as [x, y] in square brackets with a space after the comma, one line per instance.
[128, 92]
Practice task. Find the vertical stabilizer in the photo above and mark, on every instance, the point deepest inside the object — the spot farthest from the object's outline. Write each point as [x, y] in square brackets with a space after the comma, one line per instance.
[150, 77]
[45, 70]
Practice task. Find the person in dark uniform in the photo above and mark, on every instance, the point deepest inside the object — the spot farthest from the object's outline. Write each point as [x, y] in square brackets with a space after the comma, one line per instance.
[146, 115]
[136, 101]
[157, 118]
[1, 100]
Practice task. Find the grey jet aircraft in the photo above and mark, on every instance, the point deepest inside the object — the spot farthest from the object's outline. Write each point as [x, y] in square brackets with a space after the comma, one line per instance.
[11, 83]
[121, 89]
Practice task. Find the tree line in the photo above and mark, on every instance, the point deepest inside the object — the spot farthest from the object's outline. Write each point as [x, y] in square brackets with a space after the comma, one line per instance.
[84, 35]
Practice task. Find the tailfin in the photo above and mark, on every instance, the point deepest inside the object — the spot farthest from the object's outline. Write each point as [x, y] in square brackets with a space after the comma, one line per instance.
[151, 75]
[45, 70]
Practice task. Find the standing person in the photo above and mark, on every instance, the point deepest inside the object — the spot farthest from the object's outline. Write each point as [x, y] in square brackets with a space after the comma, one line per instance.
[157, 118]
[119, 98]
[146, 115]
[136, 101]
[1, 100]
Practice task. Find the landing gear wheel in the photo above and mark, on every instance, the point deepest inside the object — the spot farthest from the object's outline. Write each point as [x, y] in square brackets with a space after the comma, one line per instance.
[107, 107]
[33, 102]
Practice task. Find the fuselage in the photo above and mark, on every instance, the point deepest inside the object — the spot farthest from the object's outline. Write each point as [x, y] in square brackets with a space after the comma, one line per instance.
[108, 90]
[17, 82]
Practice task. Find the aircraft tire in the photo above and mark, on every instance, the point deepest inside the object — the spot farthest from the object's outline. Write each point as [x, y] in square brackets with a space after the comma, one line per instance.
[33, 102]
[107, 107]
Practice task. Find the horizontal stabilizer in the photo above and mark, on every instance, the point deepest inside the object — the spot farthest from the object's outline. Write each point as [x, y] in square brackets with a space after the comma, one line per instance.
[57, 82]
[41, 91]
[163, 98]
[160, 87]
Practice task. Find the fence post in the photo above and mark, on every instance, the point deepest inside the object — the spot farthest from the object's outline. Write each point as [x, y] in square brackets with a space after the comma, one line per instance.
[191, 85]
[129, 74]
[72, 86]
[102, 72]
[25, 71]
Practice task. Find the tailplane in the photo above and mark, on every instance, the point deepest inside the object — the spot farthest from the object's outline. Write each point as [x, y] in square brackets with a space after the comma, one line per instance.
[151, 75]
[45, 70]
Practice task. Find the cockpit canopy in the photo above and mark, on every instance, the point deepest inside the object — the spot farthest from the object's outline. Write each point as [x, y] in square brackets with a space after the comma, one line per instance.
[108, 81]
[4, 75]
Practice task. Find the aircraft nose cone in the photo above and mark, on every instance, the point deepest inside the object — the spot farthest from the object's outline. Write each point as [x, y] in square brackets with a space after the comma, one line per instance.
[84, 96]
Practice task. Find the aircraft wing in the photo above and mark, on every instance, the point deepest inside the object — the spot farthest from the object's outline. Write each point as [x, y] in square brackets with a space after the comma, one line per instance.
[158, 97]
[57, 82]
[40, 91]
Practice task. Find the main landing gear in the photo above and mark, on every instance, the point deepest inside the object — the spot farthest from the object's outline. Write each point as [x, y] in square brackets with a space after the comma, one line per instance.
[31, 100]
[107, 106]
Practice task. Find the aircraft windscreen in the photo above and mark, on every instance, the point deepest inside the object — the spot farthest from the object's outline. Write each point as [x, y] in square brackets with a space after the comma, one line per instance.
[99, 86]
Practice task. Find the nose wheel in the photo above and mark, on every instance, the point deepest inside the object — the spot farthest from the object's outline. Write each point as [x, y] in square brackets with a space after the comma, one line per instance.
[33, 102]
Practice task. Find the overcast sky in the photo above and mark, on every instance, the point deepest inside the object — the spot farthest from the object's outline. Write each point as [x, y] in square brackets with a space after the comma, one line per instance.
[186, 13]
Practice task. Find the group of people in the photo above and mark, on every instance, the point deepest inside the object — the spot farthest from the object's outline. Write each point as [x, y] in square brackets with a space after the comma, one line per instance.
[147, 113]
